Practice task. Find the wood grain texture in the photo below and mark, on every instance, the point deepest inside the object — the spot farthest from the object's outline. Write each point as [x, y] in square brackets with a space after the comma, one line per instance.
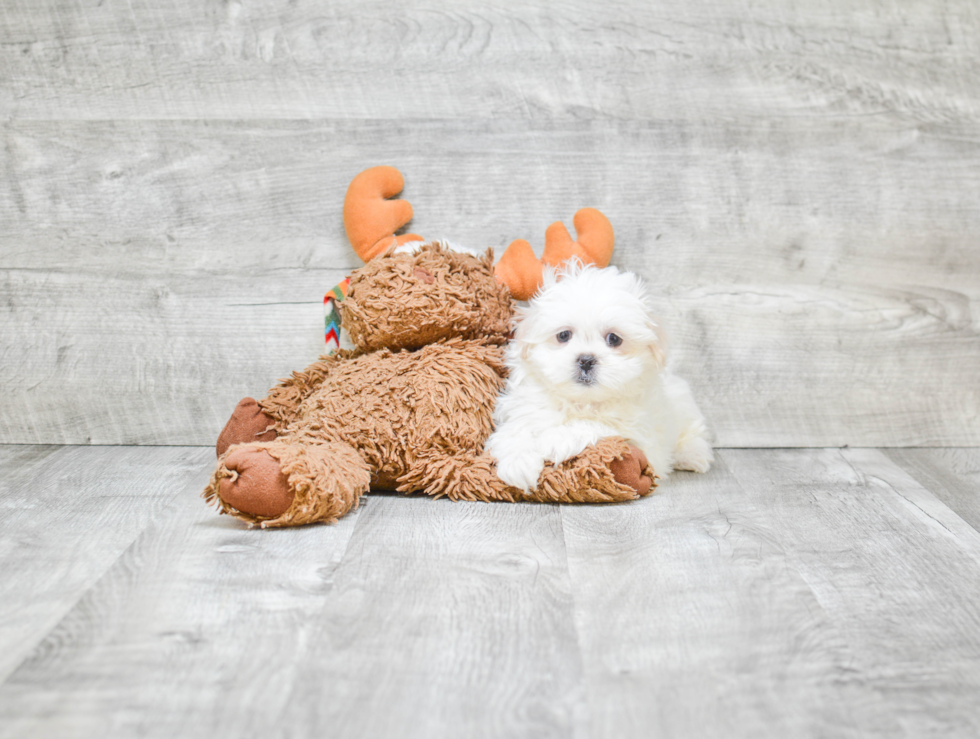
[797, 183]
[165, 357]
[194, 631]
[952, 475]
[819, 277]
[808, 592]
[441, 620]
[446, 620]
[442, 58]
[69, 514]
[786, 593]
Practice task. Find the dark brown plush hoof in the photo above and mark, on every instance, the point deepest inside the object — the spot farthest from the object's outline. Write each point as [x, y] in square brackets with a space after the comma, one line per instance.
[248, 423]
[257, 485]
[632, 471]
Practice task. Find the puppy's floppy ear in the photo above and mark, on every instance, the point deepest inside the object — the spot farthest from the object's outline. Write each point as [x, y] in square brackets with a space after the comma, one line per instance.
[657, 344]
[518, 334]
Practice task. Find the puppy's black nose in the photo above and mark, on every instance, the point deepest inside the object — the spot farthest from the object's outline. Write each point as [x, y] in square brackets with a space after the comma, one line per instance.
[586, 362]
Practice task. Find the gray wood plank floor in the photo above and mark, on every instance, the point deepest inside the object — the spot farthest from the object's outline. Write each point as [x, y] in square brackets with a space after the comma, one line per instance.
[806, 592]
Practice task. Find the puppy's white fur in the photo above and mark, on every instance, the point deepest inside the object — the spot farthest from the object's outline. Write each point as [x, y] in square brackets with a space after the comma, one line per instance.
[570, 385]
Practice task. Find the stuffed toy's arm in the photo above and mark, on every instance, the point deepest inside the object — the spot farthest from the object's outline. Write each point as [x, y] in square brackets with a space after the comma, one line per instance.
[610, 471]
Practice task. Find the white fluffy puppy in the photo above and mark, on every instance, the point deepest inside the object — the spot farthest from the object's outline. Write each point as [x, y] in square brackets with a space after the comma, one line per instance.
[588, 361]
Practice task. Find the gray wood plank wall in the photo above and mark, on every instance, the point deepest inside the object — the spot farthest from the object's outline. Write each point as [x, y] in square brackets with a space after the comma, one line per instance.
[799, 182]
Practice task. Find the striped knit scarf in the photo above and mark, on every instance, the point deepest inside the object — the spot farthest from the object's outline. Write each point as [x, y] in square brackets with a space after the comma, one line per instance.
[331, 311]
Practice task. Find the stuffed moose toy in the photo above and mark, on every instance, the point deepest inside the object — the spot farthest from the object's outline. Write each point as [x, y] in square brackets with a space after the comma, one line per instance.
[410, 407]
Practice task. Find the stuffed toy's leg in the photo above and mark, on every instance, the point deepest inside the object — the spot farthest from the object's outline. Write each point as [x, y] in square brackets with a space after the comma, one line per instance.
[610, 471]
[288, 483]
[263, 420]
[248, 422]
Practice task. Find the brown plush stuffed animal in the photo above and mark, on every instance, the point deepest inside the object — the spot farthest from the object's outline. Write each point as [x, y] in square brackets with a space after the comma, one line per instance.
[410, 408]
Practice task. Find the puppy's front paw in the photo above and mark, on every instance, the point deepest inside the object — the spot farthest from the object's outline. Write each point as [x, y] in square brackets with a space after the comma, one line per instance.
[694, 454]
[520, 470]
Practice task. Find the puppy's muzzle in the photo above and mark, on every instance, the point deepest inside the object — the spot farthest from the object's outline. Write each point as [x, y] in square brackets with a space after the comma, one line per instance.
[586, 364]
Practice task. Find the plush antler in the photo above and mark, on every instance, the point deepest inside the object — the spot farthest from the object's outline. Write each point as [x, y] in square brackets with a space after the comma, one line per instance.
[521, 271]
[370, 217]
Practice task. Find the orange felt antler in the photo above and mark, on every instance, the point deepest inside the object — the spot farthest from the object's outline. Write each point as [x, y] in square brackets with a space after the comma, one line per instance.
[521, 271]
[370, 217]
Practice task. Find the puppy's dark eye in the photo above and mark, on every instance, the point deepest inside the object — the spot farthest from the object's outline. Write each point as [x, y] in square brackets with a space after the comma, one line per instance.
[613, 339]
[564, 336]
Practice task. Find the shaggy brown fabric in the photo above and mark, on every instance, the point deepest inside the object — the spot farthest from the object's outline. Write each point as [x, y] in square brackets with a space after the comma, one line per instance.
[393, 406]
[586, 478]
[324, 481]
[284, 399]
[248, 422]
[405, 301]
[589, 477]
[414, 419]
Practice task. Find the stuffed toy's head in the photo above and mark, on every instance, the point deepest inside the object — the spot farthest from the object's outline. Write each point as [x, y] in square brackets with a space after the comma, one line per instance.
[412, 292]
[407, 299]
